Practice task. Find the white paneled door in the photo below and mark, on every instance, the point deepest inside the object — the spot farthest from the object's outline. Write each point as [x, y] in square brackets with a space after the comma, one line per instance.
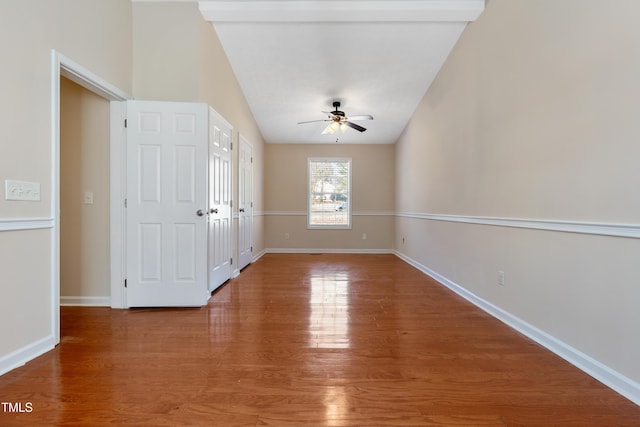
[220, 133]
[166, 204]
[245, 203]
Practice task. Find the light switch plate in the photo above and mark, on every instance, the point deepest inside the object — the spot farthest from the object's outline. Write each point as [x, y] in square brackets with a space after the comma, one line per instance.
[21, 190]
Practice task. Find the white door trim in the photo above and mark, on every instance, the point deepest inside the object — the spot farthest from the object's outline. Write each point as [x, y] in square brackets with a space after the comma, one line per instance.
[64, 66]
[117, 214]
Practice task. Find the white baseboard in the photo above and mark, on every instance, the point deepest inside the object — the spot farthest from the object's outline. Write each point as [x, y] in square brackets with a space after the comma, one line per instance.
[326, 251]
[86, 301]
[259, 255]
[609, 377]
[23, 355]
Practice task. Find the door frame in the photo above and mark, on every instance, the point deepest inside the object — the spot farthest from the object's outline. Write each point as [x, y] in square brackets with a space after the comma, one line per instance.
[61, 65]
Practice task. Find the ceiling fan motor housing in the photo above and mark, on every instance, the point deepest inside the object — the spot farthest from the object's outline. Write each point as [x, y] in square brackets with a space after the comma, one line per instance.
[336, 105]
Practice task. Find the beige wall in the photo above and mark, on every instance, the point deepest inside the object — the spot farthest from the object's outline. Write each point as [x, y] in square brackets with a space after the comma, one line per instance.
[372, 187]
[534, 116]
[29, 31]
[84, 167]
[165, 51]
[178, 57]
[25, 305]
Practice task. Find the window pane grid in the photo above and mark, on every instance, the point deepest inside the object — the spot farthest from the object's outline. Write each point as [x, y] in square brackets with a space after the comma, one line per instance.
[329, 193]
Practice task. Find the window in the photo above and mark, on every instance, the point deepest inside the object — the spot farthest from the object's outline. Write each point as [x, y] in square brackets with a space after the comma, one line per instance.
[329, 186]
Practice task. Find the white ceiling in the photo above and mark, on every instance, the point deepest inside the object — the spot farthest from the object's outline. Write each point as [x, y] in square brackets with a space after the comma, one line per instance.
[293, 58]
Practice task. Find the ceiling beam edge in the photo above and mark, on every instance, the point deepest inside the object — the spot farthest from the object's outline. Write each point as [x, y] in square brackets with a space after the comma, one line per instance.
[220, 11]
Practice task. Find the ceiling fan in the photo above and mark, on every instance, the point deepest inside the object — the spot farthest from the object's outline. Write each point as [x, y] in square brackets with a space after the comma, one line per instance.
[338, 120]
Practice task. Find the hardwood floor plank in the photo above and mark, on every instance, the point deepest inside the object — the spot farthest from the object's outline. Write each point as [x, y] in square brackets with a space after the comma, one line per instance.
[300, 340]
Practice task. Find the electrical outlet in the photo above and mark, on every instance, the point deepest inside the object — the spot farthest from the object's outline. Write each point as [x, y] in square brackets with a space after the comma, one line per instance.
[501, 278]
[286, 236]
[21, 190]
[88, 197]
[364, 236]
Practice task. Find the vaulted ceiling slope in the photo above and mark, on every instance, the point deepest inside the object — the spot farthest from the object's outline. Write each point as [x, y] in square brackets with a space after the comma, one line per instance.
[294, 58]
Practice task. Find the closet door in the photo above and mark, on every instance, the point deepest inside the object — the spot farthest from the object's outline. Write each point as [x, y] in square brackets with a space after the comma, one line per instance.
[220, 220]
[245, 203]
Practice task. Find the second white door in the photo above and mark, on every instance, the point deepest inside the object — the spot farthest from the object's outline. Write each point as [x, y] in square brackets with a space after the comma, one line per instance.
[219, 210]
[245, 203]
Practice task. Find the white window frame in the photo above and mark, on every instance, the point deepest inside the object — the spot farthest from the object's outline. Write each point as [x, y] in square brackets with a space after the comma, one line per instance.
[349, 203]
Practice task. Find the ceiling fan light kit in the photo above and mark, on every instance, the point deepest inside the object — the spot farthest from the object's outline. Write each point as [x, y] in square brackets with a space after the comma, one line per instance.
[333, 127]
[339, 120]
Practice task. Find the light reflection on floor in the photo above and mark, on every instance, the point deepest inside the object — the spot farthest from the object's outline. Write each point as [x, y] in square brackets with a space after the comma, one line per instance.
[329, 318]
[335, 401]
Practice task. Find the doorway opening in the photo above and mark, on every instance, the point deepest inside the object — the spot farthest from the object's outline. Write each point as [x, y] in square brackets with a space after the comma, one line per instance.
[84, 196]
[61, 66]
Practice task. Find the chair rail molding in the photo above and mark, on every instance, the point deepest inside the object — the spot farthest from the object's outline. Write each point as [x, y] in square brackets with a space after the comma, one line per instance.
[583, 227]
[18, 224]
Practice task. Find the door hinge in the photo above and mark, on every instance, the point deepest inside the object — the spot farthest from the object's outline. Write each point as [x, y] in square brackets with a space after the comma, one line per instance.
[251, 204]
[230, 203]
[125, 123]
[231, 261]
[125, 283]
[125, 203]
[251, 159]
[231, 146]
[251, 248]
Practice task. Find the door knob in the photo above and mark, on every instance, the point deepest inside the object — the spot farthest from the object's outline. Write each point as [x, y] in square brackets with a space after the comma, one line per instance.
[200, 212]
[241, 209]
[213, 211]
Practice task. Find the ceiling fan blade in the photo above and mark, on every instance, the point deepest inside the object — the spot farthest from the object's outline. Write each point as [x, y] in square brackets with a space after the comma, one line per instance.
[354, 126]
[313, 121]
[365, 117]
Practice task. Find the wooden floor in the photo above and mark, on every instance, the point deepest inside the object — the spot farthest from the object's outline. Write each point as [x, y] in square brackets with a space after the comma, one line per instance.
[307, 340]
